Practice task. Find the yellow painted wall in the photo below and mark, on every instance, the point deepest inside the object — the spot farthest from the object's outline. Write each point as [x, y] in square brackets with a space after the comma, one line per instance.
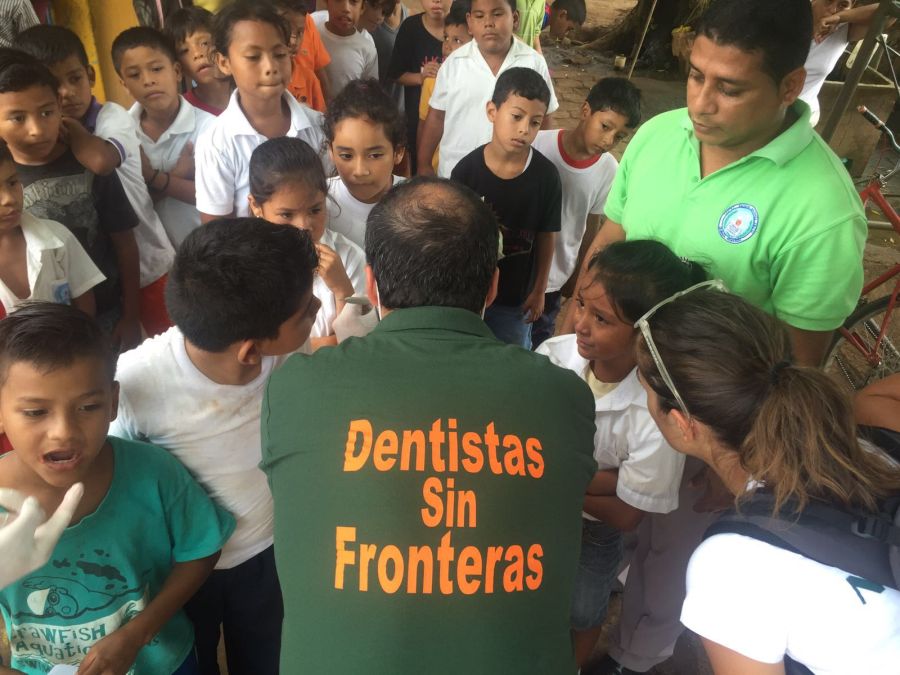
[97, 22]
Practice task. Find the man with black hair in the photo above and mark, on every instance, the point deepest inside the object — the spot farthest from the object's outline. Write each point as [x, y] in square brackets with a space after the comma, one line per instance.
[427, 502]
[738, 181]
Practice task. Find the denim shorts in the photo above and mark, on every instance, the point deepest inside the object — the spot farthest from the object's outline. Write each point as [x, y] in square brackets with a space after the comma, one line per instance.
[598, 567]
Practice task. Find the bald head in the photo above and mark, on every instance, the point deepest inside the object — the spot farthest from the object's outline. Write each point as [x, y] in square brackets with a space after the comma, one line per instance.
[432, 242]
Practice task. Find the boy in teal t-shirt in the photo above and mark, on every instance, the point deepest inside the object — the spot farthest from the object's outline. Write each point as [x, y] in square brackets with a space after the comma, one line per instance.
[145, 535]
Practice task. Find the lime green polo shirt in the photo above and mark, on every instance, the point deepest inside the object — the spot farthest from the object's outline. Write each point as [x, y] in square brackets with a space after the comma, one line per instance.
[782, 227]
[428, 483]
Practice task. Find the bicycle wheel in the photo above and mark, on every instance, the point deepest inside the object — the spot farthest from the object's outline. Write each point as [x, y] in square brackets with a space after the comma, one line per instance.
[848, 364]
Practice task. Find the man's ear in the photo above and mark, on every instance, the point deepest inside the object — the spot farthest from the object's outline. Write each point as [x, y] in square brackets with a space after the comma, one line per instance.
[249, 353]
[492, 290]
[792, 85]
[371, 286]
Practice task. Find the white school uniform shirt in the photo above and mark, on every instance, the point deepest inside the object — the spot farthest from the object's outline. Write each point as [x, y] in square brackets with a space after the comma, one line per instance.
[584, 190]
[764, 602]
[346, 214]
[178, 218]
[626, 437]
[156, 251]
[222, 155]
[58, 267]
[213, 429]
[354, 261]
[823, 57]
[353, 57]
[462, 89]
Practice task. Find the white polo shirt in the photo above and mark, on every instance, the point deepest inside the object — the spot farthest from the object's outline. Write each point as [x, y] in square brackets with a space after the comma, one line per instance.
[353, 57]
[823, 57]
[58, 268]
[462, 89]
[346, 214]
[156, 251]
[354, 261]
[764, 602]
[626, 437]
[585, 186]
[178, 218]
[222, 155]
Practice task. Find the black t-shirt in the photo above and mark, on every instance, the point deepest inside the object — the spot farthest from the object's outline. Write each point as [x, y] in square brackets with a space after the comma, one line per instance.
[414, 47]
[91, 207]
[525, 205]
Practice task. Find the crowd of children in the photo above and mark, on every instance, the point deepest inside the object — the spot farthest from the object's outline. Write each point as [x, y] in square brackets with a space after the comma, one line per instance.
[157, 264]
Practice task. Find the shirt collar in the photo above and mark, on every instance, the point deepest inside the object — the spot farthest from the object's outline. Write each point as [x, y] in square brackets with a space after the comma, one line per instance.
[90, 117]
[237, 121]
[184, 122]
[781, 149]
[38, 237]
[451, 319]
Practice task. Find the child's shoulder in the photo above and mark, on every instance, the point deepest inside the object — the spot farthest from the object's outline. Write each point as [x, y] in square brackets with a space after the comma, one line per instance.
[113, 116]
[154, 356]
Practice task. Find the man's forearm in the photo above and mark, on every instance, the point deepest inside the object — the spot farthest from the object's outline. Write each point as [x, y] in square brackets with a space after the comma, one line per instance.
[809, 346]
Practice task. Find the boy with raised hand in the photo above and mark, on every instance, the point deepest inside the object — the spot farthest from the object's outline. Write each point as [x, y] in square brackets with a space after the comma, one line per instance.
[167, 125]
[144, 536]
[111, 126]
[466, 81]
[523, 188]
[586, 168]
[240, 294]
[191, 30]
[58, 187]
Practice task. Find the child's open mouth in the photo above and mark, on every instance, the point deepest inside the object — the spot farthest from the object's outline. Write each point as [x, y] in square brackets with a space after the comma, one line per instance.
[61, 459]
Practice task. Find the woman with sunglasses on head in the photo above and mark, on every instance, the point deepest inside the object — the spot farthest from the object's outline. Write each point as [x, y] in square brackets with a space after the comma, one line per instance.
[721, 387]
[638, 472]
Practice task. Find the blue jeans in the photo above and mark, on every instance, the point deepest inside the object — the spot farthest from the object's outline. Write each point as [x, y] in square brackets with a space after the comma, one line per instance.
[598, 566]
[545, 326]
[508, 324]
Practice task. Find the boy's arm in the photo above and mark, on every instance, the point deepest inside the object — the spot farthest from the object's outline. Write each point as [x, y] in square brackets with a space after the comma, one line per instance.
[613, 511]
[325, 83]
[96, 154]
[128, 330]
[116, 653]
[429, 139]
[604, 483]
[177, 183]
[533, 307]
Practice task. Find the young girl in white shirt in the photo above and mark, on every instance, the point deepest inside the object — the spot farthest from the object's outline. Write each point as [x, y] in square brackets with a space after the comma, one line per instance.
[366, 136]
[287, 185]
[721, 386]
[638, 471]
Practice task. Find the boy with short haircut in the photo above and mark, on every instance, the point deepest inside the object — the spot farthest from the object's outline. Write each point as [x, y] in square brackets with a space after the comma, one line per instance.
[304, 85]
[564, 16]
[353, 53]
[466, 81]
[61, 51]
[523, 188]
[240, 294]
[40, 260]
[57, 187]
[611, 112]
[456, 34]
[191, 30]
[167, 125]
[144, 536]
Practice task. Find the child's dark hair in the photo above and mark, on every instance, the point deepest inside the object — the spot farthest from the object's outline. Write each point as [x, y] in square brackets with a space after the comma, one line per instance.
[184, 22]
[298, 6]
[619, 95]
[20, 71]
[282, 160]
[245, 10]
[49, 336]
[523, 82]
[638, 274]
[457, 14]
[141, 36]
[576, 12]
[52, 44]
[511, 3]
[366, 98]
[238, 279]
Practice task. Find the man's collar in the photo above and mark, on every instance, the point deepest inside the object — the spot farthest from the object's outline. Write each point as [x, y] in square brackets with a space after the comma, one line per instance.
[434, 318]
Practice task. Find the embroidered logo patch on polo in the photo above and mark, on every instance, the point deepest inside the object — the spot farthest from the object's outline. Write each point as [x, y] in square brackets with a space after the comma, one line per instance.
[738, 223]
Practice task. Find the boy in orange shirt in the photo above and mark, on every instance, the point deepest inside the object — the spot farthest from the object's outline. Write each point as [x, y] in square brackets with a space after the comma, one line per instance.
[305, 85]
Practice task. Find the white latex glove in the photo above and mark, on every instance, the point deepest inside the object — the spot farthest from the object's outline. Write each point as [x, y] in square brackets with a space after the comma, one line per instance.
[25, 539]
[357, 319]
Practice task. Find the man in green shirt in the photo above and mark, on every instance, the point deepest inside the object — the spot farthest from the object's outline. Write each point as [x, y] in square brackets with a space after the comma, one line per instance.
[428, 479]
[739, 180]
